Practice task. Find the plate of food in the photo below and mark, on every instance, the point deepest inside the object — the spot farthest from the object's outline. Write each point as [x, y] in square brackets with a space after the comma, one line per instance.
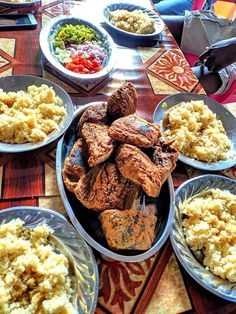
[203, 131]
[46, 265]
[113, 174]
[77, 48]
[133, 21]
[203, 234]
[34, 113]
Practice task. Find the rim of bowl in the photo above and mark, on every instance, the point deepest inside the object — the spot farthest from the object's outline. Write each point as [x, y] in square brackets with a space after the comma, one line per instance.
[45, 33]
[89, 239]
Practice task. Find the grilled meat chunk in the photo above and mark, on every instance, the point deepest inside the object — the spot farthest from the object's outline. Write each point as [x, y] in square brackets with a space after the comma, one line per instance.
[128, 229]
[123, 101]
[165, 157]
[135, 130]
[75, 165]
[103, 187]
[136, 166]
[94, 114]
[100, 144]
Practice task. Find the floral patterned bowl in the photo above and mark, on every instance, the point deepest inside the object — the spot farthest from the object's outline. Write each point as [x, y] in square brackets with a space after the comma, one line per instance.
[222, 288]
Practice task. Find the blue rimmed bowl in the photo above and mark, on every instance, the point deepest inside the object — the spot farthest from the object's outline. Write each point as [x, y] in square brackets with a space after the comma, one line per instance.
[158, 23]
[222, 288]
[50, 30]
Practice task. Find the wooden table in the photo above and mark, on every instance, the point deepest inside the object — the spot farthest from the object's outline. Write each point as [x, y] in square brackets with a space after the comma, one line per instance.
[159, 284]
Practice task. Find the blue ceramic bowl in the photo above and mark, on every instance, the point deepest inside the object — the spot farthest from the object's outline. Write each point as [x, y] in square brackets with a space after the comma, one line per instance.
[222, 288]
[159, 24]
[50, 30]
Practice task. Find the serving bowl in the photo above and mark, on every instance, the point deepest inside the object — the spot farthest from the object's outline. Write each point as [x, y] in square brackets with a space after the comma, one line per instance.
[226, 117]
[88, 283]
[21, 82]
[86, 221]
[48, 34]
[222, 288]
[159, 24]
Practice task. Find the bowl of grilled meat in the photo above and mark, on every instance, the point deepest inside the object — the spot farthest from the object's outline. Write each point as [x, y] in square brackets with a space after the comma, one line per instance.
[113, 173]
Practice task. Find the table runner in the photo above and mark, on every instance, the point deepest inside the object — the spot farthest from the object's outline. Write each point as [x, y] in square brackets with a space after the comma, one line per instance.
[159, 284]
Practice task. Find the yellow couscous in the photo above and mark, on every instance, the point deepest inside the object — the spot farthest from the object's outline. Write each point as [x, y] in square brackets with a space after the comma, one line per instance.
[34, 278]
[29, 116]
[136, 21]
[209, 223]
[196, 132]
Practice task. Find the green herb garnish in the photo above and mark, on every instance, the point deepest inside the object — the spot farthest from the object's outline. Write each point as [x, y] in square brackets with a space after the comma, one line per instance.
[74, 34]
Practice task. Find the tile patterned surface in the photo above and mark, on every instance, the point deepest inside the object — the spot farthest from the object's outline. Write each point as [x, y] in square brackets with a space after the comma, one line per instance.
[155, 285]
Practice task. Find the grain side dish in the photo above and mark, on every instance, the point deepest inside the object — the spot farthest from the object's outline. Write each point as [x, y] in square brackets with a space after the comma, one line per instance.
[29, 116]
[209, 223]
[34, 278]
[135, 21]
[196, 132]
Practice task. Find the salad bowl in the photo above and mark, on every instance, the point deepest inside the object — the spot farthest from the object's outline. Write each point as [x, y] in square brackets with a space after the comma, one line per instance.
[48, 37]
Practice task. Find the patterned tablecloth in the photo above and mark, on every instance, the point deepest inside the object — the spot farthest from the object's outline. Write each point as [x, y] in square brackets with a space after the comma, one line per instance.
[159, 284]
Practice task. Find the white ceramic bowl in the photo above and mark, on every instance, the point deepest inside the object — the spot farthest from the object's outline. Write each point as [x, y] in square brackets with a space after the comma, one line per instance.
[50, 30]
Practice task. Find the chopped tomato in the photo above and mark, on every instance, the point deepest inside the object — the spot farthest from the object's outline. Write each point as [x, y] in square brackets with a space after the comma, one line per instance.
[80, 64]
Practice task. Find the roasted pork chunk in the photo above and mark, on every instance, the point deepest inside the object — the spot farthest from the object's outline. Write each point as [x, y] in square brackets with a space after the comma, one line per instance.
[94, 114]
[165, 157]
[100, 144]
[128, 229]
[136, 166]
[135, 130]
[123, 101]
[75, 165]
[103, 187]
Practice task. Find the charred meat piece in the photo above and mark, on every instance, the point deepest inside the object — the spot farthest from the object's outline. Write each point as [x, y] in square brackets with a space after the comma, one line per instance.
[135, 130]
[100, 144]
[103, 187]
[165, 157]
[123, 101]
[94, 114]
[128, 229]
[137, 167]
[75, 165]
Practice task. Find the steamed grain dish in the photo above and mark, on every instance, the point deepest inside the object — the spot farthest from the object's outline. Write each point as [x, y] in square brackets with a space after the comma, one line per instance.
[34, 277]
[209, 223]
[196, 132]
[136, 21]
[29, 116]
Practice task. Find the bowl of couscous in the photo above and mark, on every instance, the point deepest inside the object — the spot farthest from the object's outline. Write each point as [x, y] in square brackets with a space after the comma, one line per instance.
[204, 232]
[202, 130]
[133, 22]
[46, 266]
[34, 112]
